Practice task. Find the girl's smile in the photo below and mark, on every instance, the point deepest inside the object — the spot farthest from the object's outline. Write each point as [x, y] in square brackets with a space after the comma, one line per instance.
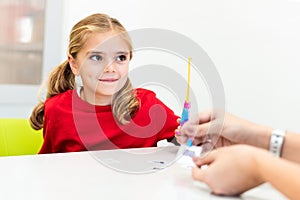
[103, 65]
[108, 79]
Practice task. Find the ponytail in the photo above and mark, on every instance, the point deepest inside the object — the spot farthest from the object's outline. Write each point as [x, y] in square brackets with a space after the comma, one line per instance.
[60, 80]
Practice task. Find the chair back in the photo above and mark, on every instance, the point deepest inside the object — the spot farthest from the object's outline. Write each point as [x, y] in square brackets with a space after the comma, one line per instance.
[18, 138]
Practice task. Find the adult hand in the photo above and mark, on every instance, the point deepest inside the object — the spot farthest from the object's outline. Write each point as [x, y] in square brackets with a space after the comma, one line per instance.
[231, 170]
[223, 130]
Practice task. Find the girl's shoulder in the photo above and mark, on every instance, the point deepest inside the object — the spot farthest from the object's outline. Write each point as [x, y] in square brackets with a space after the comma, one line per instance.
[58, 99]
[146, 96]
[141, 92]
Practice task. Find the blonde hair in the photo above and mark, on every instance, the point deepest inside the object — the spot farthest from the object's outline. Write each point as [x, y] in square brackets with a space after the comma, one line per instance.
[61, 79]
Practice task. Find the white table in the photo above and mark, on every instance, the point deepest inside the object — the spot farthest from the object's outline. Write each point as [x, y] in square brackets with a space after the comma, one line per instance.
[81, 176]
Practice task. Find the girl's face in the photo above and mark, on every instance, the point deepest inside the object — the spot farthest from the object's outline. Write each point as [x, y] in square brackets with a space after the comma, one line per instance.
[102, 64]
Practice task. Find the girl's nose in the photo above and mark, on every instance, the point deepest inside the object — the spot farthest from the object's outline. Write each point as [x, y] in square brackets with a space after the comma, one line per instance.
[110, 66]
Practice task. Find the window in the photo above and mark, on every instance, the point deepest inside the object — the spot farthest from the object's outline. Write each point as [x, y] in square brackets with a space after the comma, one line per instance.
[21, 41]
[30, 46]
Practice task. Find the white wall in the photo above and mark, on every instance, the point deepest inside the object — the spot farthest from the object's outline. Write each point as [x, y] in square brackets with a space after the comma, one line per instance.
[253, 43]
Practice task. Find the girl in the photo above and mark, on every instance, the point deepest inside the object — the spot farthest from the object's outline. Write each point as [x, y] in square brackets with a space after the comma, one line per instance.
[106, 112]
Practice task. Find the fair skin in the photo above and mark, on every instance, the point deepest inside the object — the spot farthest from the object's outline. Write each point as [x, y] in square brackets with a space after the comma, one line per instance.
[237, 131]
[102, 64]
[234, 169]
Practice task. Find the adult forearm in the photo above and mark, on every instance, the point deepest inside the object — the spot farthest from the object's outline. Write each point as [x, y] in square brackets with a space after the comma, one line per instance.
[258, 136]
[291, 147]
[280, 173]
[261, 138]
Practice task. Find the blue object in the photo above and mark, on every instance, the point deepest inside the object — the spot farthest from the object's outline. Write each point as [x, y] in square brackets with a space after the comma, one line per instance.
[185, 117]
[185, 113]
[189, 142]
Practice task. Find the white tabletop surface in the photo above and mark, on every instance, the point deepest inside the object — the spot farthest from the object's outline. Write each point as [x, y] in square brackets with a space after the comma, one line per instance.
[81, 176]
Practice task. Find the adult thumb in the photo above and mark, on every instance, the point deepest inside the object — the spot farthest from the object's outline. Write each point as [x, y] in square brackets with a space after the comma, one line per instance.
[198, 174]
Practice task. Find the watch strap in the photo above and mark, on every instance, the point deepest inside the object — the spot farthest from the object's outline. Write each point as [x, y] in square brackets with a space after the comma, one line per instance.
[276, 142]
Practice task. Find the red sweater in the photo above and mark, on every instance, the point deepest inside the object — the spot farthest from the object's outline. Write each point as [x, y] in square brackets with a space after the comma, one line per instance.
[71, 124]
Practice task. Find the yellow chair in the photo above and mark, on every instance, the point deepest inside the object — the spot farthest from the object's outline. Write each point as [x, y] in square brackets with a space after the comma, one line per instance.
[18, 138]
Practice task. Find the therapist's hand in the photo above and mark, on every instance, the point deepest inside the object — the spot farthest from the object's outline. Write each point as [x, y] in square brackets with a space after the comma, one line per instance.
[223, 130]
[231, 170]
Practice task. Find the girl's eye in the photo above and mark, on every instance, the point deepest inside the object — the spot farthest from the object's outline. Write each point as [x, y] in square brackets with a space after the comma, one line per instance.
[96, 58]
[121, 58]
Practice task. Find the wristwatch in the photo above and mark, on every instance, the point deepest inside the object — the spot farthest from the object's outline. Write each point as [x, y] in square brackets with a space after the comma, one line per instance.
[276, 142]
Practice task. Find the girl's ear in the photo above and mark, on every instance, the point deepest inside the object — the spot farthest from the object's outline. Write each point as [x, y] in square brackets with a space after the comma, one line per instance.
[73, 65]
